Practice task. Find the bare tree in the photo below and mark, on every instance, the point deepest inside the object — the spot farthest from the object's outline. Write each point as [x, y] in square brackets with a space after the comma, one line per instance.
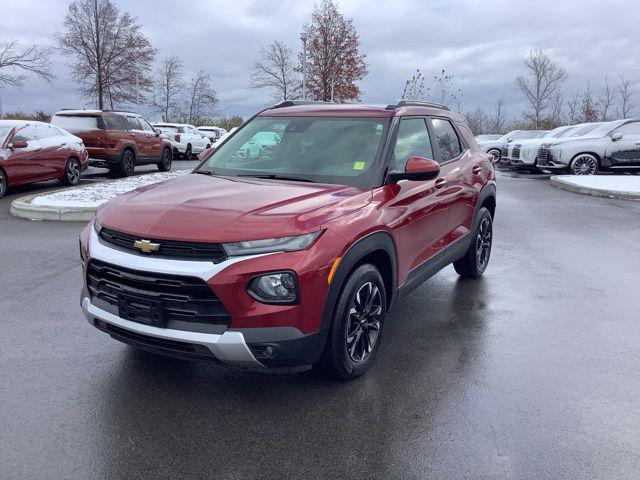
[479, 122]
[605, 101]
[203, 100]
[169, 86]
[627, 102]
[414, 87]
[275, 70]
[445, 90]
[498, 120]
[555, 116]
[15, 64]
[573, 107]
[588, 111]
[543, 82]
[334, 63]
[113, 58]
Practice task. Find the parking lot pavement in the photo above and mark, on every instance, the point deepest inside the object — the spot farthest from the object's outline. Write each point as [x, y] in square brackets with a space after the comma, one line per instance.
[531, 372]
[93, 173]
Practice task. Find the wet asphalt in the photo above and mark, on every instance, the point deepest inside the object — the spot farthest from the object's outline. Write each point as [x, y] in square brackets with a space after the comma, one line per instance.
[532, 372]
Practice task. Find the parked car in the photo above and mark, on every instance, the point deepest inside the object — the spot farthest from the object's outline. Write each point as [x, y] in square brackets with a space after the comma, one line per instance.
[511, 149]
[212, 133]
[187, 140]
[523, 153]
[287, 261]
[497, 147]
[613, 146]
[33, 151]
[116, 140]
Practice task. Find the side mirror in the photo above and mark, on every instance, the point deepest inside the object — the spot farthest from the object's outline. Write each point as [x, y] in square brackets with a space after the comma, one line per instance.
[417, 169]
[615, 136]
[509, 140]
[18, 144]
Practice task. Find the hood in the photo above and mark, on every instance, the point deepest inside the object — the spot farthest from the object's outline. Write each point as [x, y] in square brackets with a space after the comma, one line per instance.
[558, 141]
[202, 208]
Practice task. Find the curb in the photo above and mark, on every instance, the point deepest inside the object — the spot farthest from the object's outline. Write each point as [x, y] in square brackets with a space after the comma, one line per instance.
[562, 184]
[23, 208]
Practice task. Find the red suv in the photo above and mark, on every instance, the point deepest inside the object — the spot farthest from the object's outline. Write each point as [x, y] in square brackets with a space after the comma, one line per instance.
[294, 257]
[117, 140]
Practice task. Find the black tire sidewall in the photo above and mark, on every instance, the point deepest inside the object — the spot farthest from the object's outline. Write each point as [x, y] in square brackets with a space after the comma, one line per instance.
[339, 360]
[4, 183]
[161, 166]
[123, 167]
[66, 172]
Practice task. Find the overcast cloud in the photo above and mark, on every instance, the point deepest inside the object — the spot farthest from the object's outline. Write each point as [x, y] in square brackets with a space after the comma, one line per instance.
[481, 42]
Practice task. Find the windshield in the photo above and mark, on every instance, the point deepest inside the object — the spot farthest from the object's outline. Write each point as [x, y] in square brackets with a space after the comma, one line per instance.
[320, 149]
[166, 129]
[586, 129]
[76, 123]
[556, 132]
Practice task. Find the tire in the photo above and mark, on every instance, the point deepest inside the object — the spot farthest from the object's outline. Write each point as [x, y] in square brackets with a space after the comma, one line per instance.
[495, 153]
[72, 172]
[584, 164]
[165, 163]
[188, 152]
[475, 260]
[3, 183]
[356, 330]
[127, 164]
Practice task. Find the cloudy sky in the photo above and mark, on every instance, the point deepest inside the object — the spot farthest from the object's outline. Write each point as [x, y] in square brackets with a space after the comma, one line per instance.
[482, 42]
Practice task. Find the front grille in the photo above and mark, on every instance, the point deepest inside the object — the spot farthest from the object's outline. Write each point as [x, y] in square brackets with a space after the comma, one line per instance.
[168, 248]
[516, 152]
[543, 156]
[162, 300]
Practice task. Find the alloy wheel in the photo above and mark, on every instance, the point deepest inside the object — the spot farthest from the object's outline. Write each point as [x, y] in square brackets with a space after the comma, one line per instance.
[187, 152]
[3, 184]
[129, 163]
[166, 159]
[73, 172]
[363, 324]
[585, 165]
[483, 243]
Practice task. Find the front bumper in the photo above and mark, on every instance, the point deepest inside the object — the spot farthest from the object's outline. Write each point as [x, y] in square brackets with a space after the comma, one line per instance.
[229, 347]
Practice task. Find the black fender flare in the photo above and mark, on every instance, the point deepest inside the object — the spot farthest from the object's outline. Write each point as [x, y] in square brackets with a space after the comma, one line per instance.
[379, 240]
[132, 146]
[489, 190]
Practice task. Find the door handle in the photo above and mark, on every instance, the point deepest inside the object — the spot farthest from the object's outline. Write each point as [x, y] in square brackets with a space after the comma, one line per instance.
[441, 182]
[476, 169]
[132, 134]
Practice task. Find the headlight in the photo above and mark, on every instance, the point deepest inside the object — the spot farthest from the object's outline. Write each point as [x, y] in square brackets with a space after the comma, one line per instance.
[97, 226]
[276, 287]
[282, 244]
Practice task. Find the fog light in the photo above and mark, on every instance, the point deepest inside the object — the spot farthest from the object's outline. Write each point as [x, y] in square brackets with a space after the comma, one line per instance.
[276, 287]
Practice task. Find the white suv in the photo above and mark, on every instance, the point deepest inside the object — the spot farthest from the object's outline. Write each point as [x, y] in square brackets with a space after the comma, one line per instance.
[212, 132]
[186, 139]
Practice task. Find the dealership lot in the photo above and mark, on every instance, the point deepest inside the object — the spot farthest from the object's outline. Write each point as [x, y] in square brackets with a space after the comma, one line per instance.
[529, 372]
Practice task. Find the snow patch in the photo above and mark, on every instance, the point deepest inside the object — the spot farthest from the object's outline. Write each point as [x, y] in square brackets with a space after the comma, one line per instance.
[613, 183]
[92, 196]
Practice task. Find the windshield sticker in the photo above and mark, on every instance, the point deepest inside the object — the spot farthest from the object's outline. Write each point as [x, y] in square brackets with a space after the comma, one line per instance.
[358, 166]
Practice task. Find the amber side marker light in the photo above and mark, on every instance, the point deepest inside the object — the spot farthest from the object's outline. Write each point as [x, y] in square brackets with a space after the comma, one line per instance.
[336, 262]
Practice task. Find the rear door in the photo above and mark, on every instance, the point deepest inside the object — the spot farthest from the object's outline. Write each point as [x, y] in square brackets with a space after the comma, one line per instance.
[119, 131]
[153, 142]
[55, 149]
[625, 152]
[459, 172]
[419, 205]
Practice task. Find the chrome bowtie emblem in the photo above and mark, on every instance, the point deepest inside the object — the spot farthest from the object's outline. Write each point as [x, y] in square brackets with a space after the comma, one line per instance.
[146, 246]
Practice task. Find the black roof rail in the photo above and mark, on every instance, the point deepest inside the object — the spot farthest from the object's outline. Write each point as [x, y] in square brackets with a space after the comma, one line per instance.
[416, 103]
[294, 103]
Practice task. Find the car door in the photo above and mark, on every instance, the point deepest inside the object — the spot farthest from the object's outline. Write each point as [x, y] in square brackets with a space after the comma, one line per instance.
[55, 145]
[154, 143]
[625, 152]
[119, 130]
[460, 170]
[26, 164]
[421, 213]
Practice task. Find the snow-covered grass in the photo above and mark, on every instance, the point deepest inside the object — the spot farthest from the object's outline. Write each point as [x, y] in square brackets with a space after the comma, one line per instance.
[613, 183]
[92, 196]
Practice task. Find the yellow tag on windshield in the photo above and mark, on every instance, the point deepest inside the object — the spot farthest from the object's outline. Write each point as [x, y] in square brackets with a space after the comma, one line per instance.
[358, 166]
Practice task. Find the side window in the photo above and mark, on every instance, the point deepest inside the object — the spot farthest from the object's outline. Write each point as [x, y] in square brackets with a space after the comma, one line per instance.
[25, 134]
[412, 141]
[146, 126]
[116, 122]
[629, 129]
[446, 139]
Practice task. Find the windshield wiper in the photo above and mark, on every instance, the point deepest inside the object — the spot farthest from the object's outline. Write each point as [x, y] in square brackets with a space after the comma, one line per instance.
[272, 176]
[205, 172]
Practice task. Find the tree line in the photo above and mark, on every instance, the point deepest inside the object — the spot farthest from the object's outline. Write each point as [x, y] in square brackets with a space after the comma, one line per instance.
[113, 65]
